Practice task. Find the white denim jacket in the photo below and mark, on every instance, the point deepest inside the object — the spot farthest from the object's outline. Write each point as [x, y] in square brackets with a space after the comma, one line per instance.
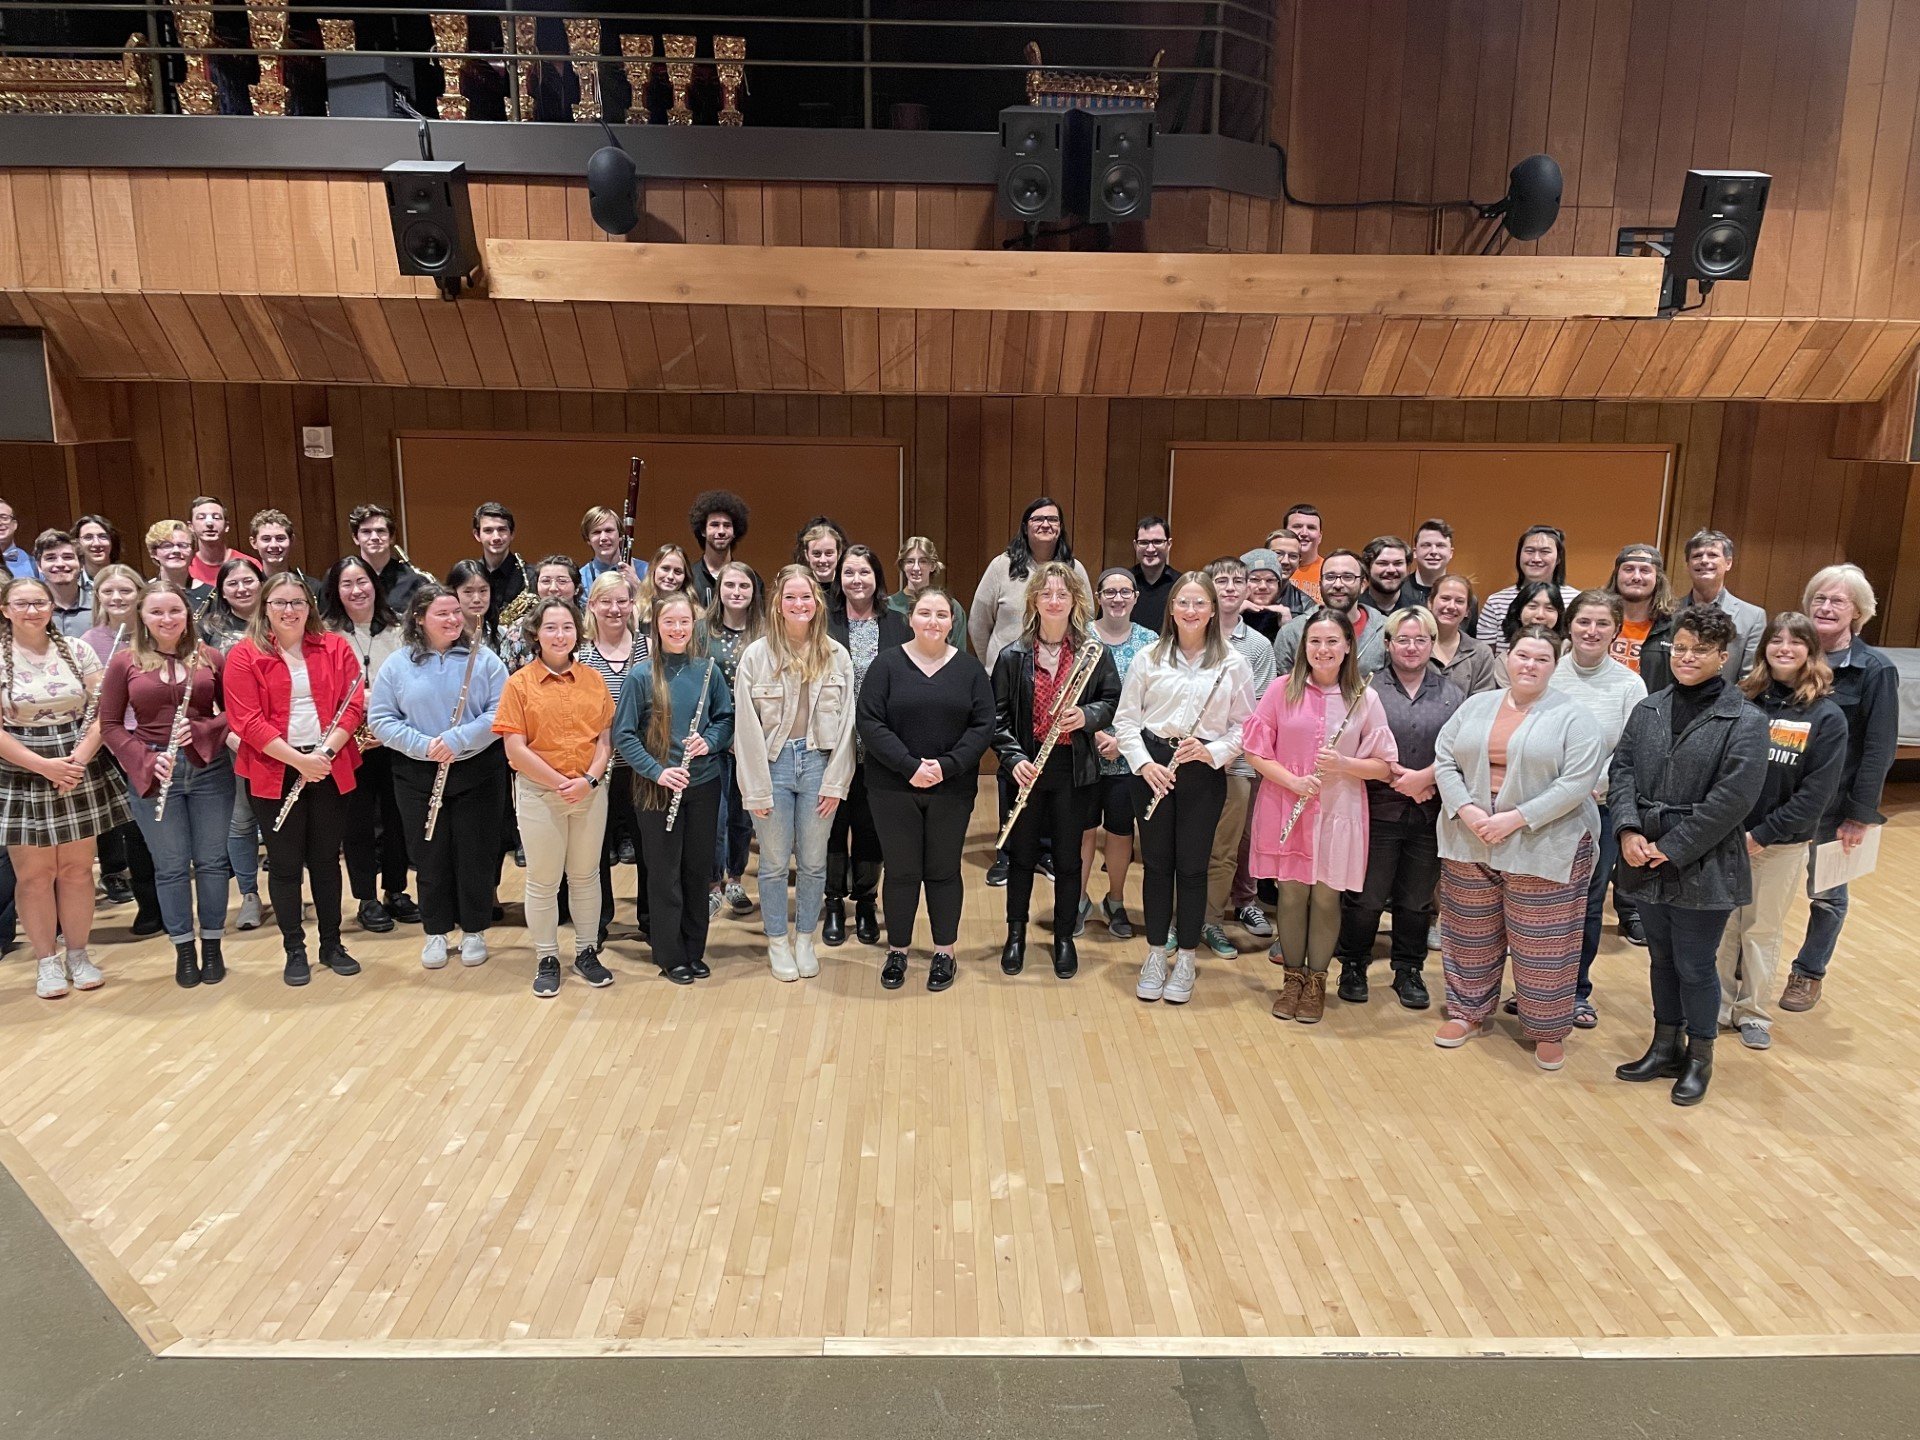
[764, 706]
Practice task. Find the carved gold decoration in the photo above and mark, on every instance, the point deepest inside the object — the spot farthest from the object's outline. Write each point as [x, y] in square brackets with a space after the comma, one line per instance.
[583, 43]
[337, 35]
[637, 60]
[729, 55]
[195, 92]
[679, 77]
[525, 35]
[450, 38]
[40, 86]
[267, 29]
[1044, 87]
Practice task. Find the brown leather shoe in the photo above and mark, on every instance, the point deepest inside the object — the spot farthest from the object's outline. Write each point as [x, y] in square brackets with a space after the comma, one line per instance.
[1286, 1004]
[1313, 1000]
[1802, 992]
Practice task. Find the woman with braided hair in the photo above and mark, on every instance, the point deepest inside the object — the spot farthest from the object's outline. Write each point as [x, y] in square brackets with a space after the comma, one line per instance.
[57, 792]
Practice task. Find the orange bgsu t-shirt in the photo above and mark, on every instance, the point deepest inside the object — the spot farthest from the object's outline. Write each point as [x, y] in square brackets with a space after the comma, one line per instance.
[1626, 645]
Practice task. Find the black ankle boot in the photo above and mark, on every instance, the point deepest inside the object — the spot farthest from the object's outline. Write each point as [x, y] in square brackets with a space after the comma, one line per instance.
[833, 923]
[186, 966]
[1013, 955]
[1411, 987]
[866, 922]
[1691, 1087]
[1353, 982]
[1663, 1060]
[1066, 958]
[213, 965]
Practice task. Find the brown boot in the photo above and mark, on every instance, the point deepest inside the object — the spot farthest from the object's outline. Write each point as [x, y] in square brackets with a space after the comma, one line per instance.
[1802, 992]
[1287, 1003]
[1313, 999]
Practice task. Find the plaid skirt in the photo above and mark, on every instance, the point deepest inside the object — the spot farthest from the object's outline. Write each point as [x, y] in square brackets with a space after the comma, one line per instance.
[32, 812]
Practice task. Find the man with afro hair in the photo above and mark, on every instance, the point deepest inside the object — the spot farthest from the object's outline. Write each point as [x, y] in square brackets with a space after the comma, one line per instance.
[718, 519]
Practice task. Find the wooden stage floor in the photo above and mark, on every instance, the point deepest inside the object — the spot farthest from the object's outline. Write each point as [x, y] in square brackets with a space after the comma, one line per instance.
[414, 1162]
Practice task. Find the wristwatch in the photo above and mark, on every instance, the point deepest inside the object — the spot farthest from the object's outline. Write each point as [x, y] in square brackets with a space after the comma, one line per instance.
[593, 781]
[323, 750]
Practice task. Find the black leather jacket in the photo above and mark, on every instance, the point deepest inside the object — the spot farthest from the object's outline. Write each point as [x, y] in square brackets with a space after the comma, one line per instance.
[1013, 711]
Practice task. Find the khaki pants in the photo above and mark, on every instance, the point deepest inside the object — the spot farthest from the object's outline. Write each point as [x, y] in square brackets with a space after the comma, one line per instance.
[1225, 859]
[1750, 948]
[561, 841]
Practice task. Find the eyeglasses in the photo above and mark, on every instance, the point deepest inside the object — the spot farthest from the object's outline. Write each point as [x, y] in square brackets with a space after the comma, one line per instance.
[1052, 522]
[286, 604]
[30, 606]
[1695, 652]
[1339, 577]
[1124, 593]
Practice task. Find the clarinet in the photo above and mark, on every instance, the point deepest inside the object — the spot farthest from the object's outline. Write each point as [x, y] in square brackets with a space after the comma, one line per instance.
[1173, 765]
[440, 775]
[175, 736]
[699, 714]
[293, 794]
[1300, 804]
[631, 512]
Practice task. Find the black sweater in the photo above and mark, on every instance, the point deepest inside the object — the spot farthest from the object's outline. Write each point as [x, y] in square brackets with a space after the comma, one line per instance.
[1806, 751]
[906, 716]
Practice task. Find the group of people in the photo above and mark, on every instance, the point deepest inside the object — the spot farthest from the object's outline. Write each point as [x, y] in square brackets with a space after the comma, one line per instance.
[1325, 734]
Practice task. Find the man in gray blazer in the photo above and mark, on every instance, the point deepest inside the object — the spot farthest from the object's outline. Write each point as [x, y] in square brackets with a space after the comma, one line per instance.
[1709, 558]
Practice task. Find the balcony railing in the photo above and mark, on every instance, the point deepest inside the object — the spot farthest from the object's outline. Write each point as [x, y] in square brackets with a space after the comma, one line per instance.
[901, 64]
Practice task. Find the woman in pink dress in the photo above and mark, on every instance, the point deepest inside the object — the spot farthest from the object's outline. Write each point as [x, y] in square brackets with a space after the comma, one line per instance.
[1325, 853]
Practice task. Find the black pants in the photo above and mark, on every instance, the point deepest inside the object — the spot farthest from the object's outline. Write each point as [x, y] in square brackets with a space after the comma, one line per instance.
[679, 864]
[622, 817]
[923, 834]
[1683, 948]
[1056, 815]
[1403, 867]
[9, 916]
[456, 866]
[1176, 845]
[854, 845]
[310, 841]
[376, 842]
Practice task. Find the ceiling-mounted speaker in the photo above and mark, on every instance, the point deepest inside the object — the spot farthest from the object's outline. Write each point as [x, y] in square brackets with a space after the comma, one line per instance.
[1532, 202]
[1033, 179]
[1119, 163]
[1718, 227]
[432, 217]
[613, 190]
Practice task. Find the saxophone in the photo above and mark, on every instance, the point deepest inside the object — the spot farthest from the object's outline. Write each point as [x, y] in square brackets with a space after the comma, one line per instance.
[515, 610]
[1084, 664]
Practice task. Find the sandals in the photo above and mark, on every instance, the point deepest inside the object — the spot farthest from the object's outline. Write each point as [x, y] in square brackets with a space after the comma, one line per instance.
[1585, 1017]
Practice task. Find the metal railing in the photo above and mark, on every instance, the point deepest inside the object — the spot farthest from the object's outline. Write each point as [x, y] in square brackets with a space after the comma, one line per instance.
[880, 63]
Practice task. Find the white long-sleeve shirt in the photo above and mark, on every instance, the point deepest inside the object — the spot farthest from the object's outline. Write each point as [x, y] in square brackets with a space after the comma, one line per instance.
[1166, 699]
[1608, 692]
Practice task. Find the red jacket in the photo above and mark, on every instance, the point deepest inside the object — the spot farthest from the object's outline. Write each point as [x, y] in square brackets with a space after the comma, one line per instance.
[259, 695]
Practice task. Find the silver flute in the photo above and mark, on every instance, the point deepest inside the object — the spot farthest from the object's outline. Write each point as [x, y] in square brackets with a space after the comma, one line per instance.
[1300, 804]
[440, 775]
[699, 714]
[92, 707]
[174, 738]
[1173, 763]
[293, 793]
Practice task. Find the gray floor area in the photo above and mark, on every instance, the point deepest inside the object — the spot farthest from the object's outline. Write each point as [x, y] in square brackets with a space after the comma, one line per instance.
[70, 1368]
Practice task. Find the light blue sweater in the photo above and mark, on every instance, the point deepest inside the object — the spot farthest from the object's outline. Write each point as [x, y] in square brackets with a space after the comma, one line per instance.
[413, 702]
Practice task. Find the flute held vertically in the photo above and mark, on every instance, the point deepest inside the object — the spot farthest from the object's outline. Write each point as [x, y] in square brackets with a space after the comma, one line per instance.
[440, 775]
[1192, 733]
[175, 735]
[699, 714]
[1084, 664]
[92, 707]
[293, 791]
[1300, 803]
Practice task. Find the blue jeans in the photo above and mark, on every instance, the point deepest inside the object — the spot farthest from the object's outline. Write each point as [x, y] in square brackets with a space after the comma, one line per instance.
[795, 830]
[1683, 951]
[733, 831]
[190, 846]
[1604, 860]
[1826, 913]
[243, 841]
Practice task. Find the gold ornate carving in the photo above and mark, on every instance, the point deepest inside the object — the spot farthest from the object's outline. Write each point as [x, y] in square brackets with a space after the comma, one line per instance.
[1043, 85]
[636, 52]
[43, 86]
[679, 77]
[337, 35]
[525, 37]
[729, 56]
[450, 38]
[195, 92]
[267, 29]
[583, 44]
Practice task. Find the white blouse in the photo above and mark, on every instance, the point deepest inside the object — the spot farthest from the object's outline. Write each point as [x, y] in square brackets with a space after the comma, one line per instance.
[303, 719]
[1166, 698]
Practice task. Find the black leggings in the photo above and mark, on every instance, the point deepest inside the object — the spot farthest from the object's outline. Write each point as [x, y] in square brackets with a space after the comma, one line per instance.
[1176, 844]
[854, 836]
[679, 862]
[457, 866]
[310, 841]
[1056, 815]
[376, 834]
[922, 833]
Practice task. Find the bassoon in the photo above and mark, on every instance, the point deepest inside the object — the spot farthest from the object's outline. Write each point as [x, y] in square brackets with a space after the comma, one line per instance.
[636, 467]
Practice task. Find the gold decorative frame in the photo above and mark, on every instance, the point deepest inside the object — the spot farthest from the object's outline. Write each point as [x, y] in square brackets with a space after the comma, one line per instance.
[195, 24]
[636, 58]
[525, 42]
[267, 29]
[680, 51]
[48, 86]
[450, 38]
[729, 62]
[1045, 87]
[337, 34]
[583, 44]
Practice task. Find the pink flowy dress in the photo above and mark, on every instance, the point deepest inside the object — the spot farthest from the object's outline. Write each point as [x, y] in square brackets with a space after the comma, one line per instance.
[1329, 844]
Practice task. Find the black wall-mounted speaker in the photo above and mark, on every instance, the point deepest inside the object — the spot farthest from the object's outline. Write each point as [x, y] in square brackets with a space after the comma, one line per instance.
[432, 217]
[1718, 227]
[1035, 173]
[1119, 164]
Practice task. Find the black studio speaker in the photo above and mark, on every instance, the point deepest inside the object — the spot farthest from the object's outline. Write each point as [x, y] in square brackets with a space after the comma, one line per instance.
[432, 217]
[1119, 165]
[1718, 227]
[1035, 174]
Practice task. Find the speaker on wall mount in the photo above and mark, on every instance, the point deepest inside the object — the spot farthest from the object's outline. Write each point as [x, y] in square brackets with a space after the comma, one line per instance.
[1718, 227]
[1120, 164]
[1037, 168]
[432, 217]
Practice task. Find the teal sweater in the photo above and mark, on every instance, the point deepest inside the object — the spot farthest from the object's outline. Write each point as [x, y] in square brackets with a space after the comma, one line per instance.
[635, 709]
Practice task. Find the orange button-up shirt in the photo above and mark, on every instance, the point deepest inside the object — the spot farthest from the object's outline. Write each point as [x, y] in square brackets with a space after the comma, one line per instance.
[561, 716]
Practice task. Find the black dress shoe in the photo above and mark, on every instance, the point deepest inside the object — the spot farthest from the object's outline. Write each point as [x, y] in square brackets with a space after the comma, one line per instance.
[1664, 1060]
[893, 974]
[866, 922]
[833, 923]
[336, 959]
[119, 892]
[373, 918]
[1353, 982]
[213, 965]
[680, 974]
[997, 872]
[1696, 1071]
[147, 923]
[186, 966]
[1411, 989]
[701, 970]
[400, 905]
[1066, 959]
[1013, 955]
[940, 976]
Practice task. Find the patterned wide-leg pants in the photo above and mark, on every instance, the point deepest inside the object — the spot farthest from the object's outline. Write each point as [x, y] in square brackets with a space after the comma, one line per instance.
[1487, 914]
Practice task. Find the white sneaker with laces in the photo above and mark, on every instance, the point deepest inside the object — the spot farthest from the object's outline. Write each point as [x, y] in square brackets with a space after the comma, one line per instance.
[804, 958]
[737, 899]
[1153, 975]
[84, 973]
[249, 913]
[473, 949]
[714, 901]
[1180, 984]
[51, 983]
[433, 954]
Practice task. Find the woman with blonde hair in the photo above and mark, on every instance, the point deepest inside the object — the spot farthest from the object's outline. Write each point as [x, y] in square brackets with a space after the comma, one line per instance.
[665, 576]
[610, 646]
[793, 740]
[921, 568]
[735, 619]
[126, 869]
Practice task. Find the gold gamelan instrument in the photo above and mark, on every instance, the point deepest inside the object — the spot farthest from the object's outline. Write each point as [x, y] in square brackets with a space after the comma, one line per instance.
[1192, 733]
[1300, 803]
[699, 714]
[459, 704]
[1084, 664]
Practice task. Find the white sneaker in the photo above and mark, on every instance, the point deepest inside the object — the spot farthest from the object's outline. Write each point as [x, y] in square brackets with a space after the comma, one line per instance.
[85, 974]
[473, 949]
[433, 954]
[804, 960]
[780, 957]
[52, 981]
[249, 913]
[737, 900]
[1153, 975]
[714, 899]
[1180, 984]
